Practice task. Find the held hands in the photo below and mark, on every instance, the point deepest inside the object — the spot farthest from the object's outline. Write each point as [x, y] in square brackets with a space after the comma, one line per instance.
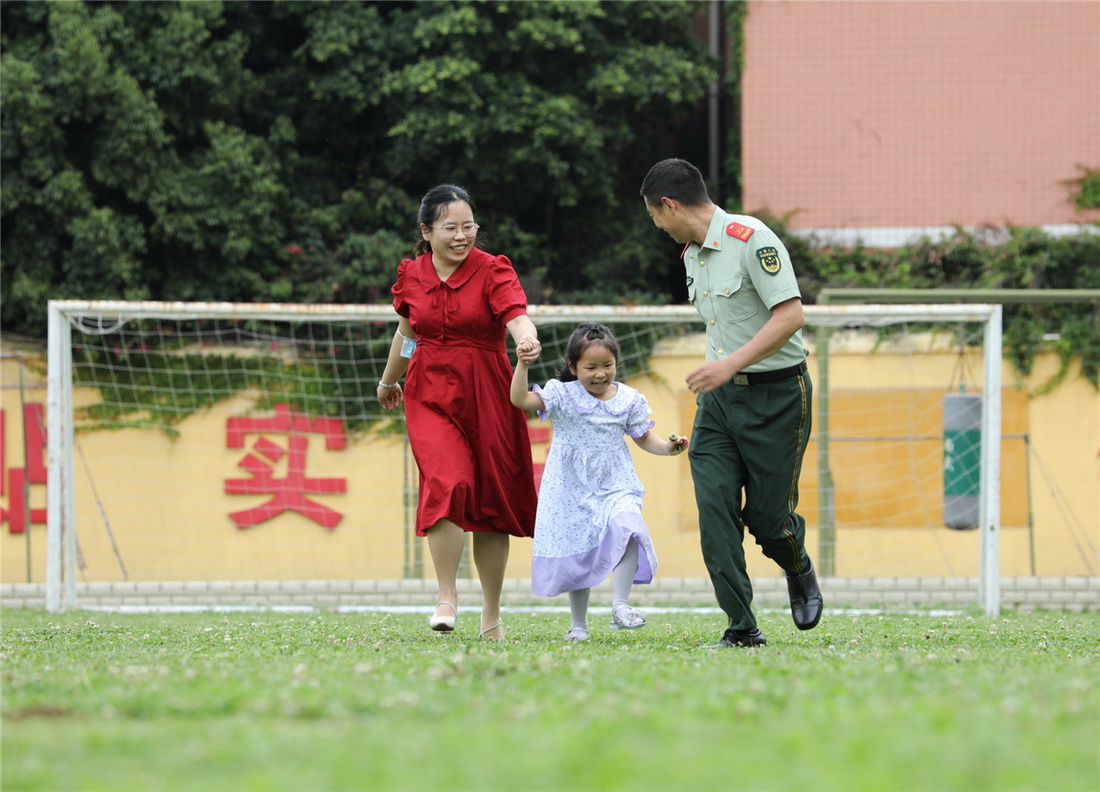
[678, 444]
[528, 350]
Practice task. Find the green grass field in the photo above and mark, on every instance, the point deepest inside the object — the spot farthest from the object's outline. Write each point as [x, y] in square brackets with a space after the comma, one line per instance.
[375, 701]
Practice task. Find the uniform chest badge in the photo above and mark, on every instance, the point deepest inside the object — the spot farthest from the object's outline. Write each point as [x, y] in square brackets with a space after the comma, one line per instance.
[769, 259]
[742, 232]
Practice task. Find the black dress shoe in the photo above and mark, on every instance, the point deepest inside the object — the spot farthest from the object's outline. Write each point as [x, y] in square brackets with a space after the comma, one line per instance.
[806, 601]
[734, 637]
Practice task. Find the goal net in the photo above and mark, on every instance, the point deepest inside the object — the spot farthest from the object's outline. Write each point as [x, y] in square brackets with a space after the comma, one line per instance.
[225, 442]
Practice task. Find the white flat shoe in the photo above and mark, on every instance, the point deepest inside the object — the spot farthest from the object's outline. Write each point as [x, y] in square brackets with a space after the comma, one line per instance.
[626, 618]
[576, 634]
[443, 623]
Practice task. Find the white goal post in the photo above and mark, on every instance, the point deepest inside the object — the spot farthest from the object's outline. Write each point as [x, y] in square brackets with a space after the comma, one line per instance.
[90, 319]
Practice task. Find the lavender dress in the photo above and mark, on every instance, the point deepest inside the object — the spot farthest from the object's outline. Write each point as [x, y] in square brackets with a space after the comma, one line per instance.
[590, 500]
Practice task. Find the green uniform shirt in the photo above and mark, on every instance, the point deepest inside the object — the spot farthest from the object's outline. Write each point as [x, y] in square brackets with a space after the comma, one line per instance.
[734, 279]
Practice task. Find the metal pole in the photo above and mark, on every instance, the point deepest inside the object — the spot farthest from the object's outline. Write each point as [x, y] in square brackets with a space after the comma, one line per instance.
[989, 518]
[1030, 516]
[713, 39]
[826, 494]
[26, 470]
[413, 563]
[989, 296]
[54, 515]
[70, 550]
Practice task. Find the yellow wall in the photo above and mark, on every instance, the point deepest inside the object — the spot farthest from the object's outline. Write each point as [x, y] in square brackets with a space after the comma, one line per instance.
[163, 503]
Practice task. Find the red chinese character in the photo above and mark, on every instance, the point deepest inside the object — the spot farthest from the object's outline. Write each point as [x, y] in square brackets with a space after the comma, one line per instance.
[34, 429]
[288, 494]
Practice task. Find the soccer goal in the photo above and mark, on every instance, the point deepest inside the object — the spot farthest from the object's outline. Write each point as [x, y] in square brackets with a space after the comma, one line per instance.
[227, 442]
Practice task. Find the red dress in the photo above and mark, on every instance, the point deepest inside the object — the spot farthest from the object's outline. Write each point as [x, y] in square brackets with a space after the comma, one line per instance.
[470, 443]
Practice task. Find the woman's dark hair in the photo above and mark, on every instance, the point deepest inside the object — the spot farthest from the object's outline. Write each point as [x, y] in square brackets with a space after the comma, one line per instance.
[586, 335]
[674, 178]
[432, 205]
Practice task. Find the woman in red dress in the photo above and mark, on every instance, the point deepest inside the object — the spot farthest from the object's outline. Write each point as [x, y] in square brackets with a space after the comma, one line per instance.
[455, 303]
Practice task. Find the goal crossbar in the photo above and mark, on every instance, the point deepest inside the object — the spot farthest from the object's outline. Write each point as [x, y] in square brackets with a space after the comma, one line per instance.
[826, 315]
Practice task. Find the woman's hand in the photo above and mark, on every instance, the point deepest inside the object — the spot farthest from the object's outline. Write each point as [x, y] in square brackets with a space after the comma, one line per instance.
[391, 396]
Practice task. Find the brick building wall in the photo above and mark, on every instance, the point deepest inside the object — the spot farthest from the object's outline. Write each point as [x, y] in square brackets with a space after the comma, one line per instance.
[881, 120]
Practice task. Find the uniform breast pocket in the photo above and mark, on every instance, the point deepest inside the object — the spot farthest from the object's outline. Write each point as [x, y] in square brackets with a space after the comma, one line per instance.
[736, 300]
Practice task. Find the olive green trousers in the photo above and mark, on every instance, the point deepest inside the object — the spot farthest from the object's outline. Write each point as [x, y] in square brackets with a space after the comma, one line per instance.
[746, 455]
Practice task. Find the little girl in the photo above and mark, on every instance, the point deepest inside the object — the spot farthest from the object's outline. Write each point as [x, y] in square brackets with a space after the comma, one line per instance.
[589, 521]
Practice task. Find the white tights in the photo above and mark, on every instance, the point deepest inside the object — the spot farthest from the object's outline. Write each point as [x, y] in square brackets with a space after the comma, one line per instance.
[622, 579]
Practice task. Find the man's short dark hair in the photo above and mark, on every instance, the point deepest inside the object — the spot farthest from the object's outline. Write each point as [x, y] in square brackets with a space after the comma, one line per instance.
[677, 179]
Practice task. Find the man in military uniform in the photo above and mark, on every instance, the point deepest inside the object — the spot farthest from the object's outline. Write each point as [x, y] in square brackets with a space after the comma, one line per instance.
[753, 395]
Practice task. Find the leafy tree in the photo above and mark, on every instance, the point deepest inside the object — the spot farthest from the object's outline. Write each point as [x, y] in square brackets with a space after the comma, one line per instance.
[110, 190]
[549, 112]
[259, 151]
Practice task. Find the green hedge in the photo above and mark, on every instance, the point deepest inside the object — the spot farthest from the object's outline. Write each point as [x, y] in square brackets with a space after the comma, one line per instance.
[1012, 258]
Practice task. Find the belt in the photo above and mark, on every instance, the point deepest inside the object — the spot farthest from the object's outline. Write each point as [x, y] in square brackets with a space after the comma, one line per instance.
[761, 377]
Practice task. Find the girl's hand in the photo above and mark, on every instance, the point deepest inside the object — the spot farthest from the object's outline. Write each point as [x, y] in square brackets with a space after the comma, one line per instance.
[390, 397]
[679, 444]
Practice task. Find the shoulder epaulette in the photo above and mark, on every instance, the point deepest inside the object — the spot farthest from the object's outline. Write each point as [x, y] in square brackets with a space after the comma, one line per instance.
[742, 232]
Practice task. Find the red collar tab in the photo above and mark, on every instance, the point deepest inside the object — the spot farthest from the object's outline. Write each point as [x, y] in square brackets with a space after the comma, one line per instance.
[742, 232]
[685, 250]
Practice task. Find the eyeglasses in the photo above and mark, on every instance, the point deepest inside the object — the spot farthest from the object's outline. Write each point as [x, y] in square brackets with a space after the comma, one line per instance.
[450, 231]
